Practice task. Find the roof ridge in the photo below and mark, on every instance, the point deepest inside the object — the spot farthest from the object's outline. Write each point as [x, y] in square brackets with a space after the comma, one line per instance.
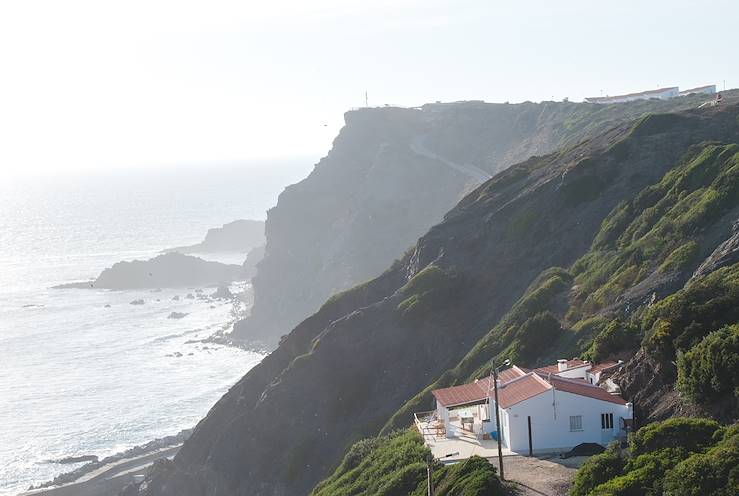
[541, 379]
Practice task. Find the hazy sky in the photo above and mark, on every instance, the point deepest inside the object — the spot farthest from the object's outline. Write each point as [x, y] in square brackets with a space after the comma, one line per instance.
[98, 84]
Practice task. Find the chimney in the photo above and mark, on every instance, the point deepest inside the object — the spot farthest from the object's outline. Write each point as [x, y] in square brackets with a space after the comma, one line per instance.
[561, 365]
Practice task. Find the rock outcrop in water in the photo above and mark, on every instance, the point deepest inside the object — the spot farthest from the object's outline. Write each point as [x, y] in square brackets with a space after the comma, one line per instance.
[393, 173]
[170, 270]
[538, 235]
[238, 236]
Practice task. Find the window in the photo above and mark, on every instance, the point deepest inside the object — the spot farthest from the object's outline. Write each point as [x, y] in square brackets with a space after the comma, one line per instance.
[606, 421]
[576, 423]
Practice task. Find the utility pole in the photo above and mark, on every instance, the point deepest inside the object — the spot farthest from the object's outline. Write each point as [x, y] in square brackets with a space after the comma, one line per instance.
[430, 471]
[497, 418]
[430, 474]
[366, 100]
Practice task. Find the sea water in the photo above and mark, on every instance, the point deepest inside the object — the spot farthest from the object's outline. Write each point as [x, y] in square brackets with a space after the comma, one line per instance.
[82, 371]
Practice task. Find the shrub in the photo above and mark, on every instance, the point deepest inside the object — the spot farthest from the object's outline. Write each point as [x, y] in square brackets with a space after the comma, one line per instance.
[616, 336]
[598, 470]
[534, 335]
[710, 370]
[716, 472]
[474, 477]
[693, 434]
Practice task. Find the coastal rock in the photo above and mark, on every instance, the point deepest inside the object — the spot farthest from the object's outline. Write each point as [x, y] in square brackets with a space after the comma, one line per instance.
[137, 302]
[222, 293]
[238, 236]
[75, 459]
[169, 270]
[177, 315]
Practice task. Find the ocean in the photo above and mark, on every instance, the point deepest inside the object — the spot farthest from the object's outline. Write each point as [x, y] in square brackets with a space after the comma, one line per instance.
[83, 372]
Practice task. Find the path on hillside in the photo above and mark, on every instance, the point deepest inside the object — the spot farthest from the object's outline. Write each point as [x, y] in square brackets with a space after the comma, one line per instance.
[418, 147]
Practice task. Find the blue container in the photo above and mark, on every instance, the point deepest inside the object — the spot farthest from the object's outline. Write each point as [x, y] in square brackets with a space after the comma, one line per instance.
[494, 435]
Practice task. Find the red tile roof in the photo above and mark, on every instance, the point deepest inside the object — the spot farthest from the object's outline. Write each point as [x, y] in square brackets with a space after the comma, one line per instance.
[603, 366]
[474, 392]
[521, 389]
[461, 395]
[584, 389]
[554, 369]
[517, 386]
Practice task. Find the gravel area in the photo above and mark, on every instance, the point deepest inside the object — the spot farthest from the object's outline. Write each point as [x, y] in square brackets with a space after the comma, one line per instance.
[543, 475]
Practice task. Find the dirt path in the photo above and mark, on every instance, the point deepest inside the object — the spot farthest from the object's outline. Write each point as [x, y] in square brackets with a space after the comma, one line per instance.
[479, 175]
[541, 476]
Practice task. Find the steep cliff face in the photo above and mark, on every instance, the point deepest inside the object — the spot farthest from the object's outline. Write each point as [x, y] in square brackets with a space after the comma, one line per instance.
[391, 174]
[342, 373]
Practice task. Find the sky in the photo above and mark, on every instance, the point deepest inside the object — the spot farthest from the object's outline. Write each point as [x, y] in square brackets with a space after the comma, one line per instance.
[97, 85]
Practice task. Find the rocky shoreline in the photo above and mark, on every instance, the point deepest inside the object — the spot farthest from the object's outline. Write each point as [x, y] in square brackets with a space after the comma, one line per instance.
[136, 451]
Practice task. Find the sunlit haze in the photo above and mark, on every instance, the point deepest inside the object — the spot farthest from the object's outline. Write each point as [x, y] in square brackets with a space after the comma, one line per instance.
[95, 85]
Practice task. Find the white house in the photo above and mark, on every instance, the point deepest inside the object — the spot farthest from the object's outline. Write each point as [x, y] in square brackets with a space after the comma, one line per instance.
[661, 94]
[548, 409]
[709, 89]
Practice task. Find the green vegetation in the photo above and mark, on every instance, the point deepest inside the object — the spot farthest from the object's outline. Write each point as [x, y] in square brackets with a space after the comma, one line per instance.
[598, 470]
[427, 289]
[715, 472]
[661, 457]
[683, 319]
[689, 433]
[710, 370]
[614, 337]
[395, 465]
[655, 230]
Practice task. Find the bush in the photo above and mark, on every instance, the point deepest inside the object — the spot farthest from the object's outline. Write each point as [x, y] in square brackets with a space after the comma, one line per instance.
[710, 370]
[534, 335]
[474, 477]
[615, 337]
[716, 472]
[598, 470]
[693, 434]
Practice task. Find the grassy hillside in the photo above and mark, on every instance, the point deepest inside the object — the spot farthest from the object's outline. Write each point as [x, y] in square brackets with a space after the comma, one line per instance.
[395, 465]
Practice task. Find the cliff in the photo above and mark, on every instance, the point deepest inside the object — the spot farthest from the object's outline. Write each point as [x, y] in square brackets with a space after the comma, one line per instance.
[603, 236]
[239, 236]
[393, 173]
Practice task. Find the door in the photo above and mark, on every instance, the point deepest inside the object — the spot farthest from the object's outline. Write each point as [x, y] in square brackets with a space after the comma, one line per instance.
[606, 428]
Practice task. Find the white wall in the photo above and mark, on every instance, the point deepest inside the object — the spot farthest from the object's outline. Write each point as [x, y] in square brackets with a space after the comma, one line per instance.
[574, 373]
[552, 433]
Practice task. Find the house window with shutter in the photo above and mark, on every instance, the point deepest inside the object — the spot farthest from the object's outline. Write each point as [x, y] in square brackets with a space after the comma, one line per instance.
[606, 421]
[575, 423]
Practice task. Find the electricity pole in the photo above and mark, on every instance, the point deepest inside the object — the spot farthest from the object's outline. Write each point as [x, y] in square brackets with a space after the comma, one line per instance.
[497, 418]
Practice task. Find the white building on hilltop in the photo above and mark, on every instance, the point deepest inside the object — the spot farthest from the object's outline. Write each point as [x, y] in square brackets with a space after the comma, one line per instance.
[661, 94]
[549, 409]
[701, 90]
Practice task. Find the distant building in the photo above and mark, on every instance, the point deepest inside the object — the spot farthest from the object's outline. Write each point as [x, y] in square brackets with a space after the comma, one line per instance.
[701, 90]
[661, 94]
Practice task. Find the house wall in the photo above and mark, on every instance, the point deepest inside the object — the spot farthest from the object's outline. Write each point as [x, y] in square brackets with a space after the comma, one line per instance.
[574, 373]
[550, 427]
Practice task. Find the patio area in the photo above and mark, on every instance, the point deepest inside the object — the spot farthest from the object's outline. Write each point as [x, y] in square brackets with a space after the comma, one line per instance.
[462, 444]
